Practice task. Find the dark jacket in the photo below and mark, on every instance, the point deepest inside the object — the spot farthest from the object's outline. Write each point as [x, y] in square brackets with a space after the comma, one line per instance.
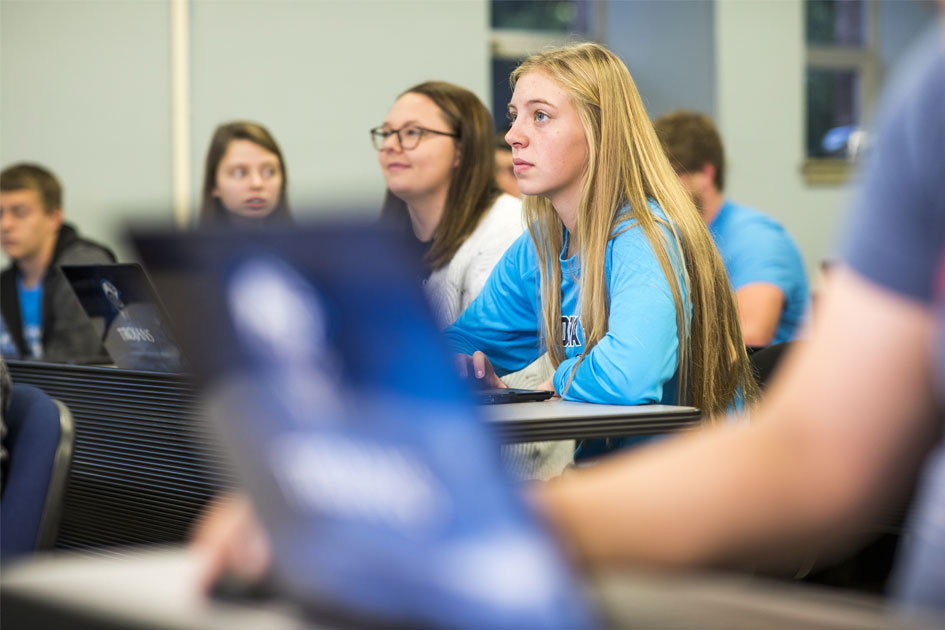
[68, 334]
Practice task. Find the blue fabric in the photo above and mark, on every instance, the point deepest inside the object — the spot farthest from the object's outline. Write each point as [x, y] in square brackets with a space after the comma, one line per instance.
[8, 347]
[756, 249]
[350, 456]
[896, 236]
[31, 312]
[635, 363]
[33, 425]
[897, 240]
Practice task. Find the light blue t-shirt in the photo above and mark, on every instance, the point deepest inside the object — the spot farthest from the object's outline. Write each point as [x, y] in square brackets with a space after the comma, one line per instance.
[31, 313]
[756, 248]
[636, 361]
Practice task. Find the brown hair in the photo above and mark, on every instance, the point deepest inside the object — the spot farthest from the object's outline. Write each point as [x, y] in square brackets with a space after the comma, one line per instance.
[691, 141]
[626, 170]
[211, 210]
[33, 177]
[472, 186]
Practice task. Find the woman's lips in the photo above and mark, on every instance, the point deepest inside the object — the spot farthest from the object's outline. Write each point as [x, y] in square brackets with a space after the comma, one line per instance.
[519, 165]
[256, 203]
[396, 166]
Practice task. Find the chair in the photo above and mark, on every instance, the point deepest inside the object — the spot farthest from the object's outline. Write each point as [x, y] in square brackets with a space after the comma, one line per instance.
[40, 440]
[764, 361]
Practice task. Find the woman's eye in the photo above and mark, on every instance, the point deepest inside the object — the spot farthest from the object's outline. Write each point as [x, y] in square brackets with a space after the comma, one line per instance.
[511, 116]
[269, 172]
[412, 132]
[239, 172]
[540, 116]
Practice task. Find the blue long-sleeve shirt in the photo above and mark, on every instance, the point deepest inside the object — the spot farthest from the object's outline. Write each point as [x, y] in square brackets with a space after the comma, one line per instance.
[636, 361]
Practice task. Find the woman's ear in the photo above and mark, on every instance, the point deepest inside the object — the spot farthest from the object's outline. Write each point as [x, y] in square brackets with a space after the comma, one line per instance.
[457, 154]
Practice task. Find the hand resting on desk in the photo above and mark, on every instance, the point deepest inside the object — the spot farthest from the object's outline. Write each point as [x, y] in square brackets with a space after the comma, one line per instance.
[231, 539]
[479, 367]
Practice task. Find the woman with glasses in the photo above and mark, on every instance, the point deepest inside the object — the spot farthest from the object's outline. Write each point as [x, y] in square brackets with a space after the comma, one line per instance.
[244, 179]
[436, 151]
[634, 305]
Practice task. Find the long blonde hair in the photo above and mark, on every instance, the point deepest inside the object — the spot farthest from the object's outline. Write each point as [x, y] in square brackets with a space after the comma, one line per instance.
[627, 168]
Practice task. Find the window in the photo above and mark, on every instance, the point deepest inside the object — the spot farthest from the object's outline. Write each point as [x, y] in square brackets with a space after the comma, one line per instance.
[841, 81]
[523, 27]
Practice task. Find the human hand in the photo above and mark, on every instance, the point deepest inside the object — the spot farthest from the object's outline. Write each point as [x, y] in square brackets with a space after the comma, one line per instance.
[548, 385]
[479, 368]
[231, 540]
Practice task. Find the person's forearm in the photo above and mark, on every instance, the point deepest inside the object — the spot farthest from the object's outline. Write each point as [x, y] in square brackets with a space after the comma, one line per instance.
[842, 432]
[759, 311]
[712, 500]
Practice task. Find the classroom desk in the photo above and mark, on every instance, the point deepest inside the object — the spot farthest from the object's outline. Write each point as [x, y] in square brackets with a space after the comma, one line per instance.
[145, 464]
[558, 419]
[156, 589]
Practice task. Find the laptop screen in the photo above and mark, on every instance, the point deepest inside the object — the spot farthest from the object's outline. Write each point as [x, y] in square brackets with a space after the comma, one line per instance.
[125, 310]
[375, 475]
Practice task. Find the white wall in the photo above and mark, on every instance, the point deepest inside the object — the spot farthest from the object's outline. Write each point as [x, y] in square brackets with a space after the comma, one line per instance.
[321, 74]
[760, 112]
[85, 90]
[668, 48]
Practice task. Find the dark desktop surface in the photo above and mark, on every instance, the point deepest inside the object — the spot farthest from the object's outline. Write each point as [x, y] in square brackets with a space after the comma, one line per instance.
[143, 466]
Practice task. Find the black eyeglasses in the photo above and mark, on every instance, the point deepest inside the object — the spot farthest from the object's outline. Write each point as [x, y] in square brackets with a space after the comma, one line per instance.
[408, 137]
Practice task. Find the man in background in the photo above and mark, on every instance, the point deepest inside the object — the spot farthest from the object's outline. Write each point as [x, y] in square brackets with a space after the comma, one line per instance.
[44, 319]
[763, 264]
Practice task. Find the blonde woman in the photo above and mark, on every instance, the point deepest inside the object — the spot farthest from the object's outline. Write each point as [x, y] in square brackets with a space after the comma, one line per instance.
[617, 277]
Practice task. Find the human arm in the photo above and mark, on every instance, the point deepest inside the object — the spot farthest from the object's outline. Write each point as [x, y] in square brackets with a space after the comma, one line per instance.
[815, 465]
[767, 274]
[638, 354]
[498, 230]
[503, 321]
[231, 540]
[759, 310]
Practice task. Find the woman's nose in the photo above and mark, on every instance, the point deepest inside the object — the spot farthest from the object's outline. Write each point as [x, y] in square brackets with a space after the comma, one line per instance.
[391, 143]
[513, 136]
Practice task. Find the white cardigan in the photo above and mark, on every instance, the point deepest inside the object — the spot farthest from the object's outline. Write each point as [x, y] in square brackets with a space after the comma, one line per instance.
[452, 287]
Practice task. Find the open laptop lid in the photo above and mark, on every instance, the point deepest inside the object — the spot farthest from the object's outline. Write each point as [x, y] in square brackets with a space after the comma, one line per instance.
[127, 314]
[371, 469]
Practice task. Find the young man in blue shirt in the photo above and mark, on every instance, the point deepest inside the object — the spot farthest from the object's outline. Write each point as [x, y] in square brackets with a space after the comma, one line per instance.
[763, 264]
[43, 318]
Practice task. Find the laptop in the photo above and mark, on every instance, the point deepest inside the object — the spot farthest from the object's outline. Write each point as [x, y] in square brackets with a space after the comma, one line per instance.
[126, 312]
[372, 470]
[504, 395]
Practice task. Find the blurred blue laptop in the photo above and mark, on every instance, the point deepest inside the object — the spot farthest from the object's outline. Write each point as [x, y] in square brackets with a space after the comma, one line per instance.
[127, 314]
[374, 474]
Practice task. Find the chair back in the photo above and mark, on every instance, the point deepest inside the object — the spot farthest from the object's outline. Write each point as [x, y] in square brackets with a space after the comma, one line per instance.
[764, 361]
[40, 443]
